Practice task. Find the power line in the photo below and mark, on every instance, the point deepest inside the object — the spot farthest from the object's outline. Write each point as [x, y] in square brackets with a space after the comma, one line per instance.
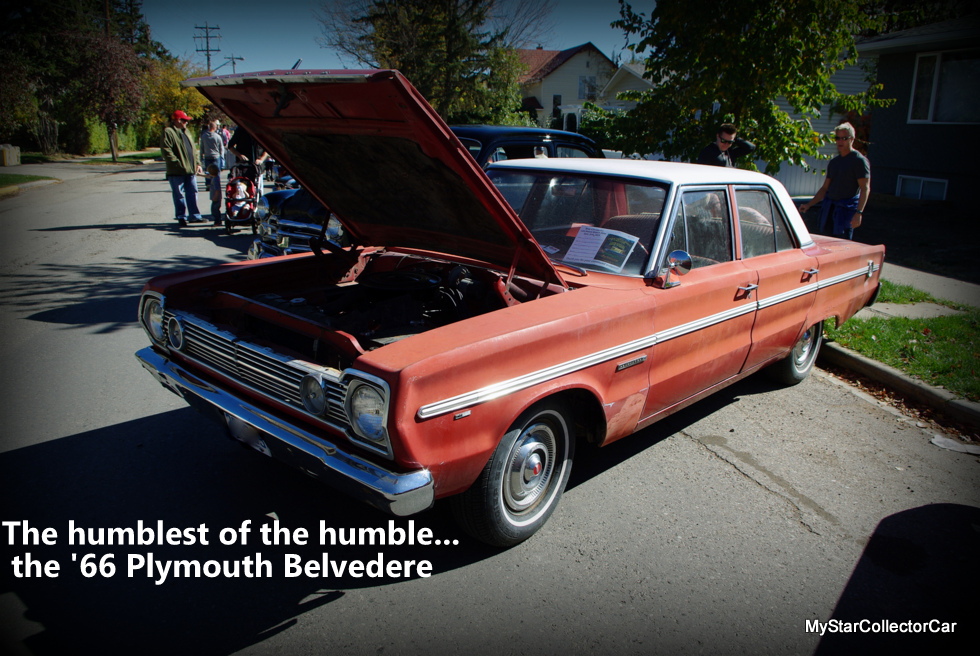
[207, 37]
[232, 59]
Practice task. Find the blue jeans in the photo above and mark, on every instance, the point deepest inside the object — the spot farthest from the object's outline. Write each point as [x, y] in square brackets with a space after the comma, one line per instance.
[836, 215]
[184, 186]
[217, 161]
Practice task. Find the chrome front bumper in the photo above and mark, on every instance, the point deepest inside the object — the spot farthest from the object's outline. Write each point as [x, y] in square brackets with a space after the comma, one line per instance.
[397, 493]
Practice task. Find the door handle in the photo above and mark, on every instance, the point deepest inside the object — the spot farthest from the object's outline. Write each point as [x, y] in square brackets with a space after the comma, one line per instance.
[811, 272]
[748, 289]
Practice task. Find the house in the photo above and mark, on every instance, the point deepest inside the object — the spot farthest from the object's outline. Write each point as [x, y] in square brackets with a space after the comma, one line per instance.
[628, 77]
[559, 82]
[920, 145]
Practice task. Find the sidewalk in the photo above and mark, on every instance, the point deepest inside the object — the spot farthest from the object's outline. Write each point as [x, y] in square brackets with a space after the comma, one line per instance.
[957, 409]
[67, 169]
[945, 288]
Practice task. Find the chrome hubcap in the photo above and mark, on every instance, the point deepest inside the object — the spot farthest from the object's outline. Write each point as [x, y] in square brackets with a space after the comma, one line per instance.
[802, 349]
[530, 468]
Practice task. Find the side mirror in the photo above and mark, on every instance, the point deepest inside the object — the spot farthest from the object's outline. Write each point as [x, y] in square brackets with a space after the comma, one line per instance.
[678, 262]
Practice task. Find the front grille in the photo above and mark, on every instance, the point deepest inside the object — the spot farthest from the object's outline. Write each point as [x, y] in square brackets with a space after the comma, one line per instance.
[260, 368]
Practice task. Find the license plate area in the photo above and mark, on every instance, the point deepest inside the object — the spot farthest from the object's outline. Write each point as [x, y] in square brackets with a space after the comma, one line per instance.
[247, 434]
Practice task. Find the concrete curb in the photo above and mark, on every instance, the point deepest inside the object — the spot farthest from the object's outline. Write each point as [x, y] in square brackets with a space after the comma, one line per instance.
[13, 190]
[944, 401]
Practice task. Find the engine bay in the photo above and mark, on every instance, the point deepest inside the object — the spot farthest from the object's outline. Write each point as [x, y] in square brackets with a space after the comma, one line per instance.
[381, 307]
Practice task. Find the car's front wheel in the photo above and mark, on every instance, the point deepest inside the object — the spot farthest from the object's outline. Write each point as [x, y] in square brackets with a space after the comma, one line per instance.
[797, 365]
[521, 484]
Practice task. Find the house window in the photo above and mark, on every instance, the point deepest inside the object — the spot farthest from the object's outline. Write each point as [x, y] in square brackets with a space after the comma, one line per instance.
[922, 188]
[945, 88]
[587, 87]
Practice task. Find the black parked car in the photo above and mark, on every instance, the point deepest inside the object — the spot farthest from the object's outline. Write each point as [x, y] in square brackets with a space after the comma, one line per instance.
[495, 143]
[290, 218]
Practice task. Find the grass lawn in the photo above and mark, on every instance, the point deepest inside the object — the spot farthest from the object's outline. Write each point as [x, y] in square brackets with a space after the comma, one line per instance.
[9, 179]
[941, 351]
[40, 158]
[129, 159]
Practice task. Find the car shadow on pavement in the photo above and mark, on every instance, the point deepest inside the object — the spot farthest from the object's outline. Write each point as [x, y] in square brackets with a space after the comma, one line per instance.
[919, 566]
[592, 461]
[182, 471]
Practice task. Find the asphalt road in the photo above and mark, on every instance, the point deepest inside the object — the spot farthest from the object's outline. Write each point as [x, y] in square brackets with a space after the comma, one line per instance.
[722, 530]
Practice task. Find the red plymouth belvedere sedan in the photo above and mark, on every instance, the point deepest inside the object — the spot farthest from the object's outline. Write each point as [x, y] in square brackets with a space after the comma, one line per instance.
[481, 323]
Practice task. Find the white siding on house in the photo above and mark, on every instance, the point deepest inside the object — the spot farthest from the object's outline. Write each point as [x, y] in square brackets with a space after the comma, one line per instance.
[797, 180]
[623, 80]
[564, 81]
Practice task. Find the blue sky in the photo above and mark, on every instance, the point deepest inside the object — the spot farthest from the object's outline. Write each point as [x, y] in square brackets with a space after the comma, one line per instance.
[275, 33]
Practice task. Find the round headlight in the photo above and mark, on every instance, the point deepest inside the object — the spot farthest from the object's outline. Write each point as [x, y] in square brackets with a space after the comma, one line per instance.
[262, 209]
[367, 408]
[313, 394]
[153, 318]
[175, 333]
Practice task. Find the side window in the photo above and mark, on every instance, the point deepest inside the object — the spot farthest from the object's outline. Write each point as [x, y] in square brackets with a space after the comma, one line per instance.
[498, 155]
[702, 228]
[570, 151]
[517, 151]
[762, 226]
[473, 146]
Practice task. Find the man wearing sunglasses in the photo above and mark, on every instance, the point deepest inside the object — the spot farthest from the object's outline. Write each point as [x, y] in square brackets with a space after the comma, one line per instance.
[178, 153]
[726, 149]
[845, 189]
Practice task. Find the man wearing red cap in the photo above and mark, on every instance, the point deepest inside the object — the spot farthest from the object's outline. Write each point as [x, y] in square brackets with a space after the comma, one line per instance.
[178, 153]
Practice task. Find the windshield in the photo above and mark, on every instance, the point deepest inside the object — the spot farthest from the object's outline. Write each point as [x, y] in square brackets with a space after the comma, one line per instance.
[596, 223]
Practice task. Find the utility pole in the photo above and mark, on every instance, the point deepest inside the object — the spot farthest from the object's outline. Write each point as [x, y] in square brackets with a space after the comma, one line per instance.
[232, 59]
[207, 37]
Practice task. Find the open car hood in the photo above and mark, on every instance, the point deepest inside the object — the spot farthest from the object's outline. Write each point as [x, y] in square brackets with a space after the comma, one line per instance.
[368, 146]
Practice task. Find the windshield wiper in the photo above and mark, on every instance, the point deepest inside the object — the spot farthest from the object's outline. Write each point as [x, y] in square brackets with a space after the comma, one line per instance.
[579, 270]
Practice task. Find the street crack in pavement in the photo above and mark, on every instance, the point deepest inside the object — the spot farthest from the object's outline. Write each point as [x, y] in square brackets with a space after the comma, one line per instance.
[786, 491]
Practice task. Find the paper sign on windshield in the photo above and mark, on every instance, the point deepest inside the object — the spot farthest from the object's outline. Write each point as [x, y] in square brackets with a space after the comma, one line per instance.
[600, 247]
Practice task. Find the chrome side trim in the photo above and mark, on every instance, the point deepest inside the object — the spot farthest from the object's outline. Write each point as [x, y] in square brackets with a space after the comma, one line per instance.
[684, 329]
[844, 277]
[398, 493]
[520, 383]
[529, 380]
[506, 387]
[809, 288]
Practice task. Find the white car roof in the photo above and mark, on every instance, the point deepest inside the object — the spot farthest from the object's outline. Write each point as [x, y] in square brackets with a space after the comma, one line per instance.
[674, 173]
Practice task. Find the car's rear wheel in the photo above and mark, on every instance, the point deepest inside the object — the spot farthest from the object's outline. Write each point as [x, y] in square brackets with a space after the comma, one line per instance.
[521, 484]
[795, 367]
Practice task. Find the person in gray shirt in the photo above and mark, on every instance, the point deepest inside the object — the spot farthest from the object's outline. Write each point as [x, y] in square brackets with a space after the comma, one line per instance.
[846, 188]
[212, 147]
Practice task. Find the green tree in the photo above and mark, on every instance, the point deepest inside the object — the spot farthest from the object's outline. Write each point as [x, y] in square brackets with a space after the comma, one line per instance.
[70, 60]
[110, 83]
[164, 93]
[458, 53]
[715, 62]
